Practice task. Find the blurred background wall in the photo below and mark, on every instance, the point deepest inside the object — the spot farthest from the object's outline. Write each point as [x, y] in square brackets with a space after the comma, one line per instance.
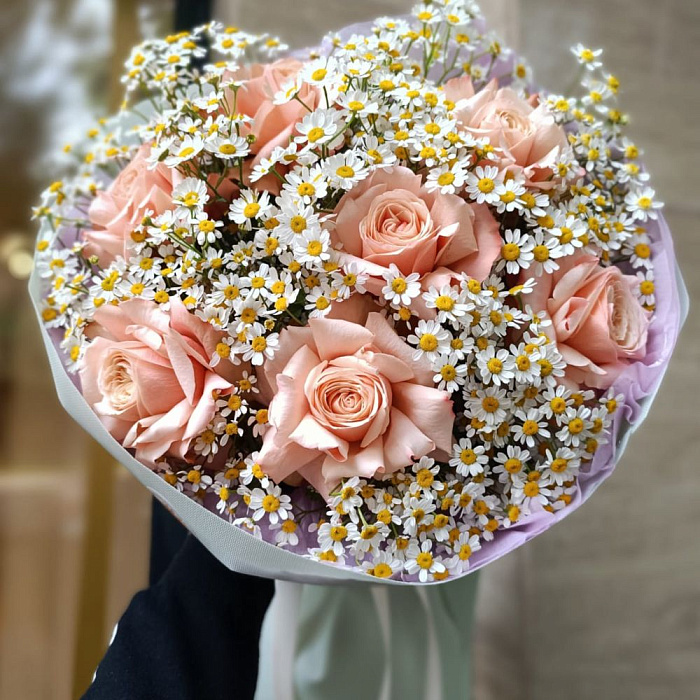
[606, 605]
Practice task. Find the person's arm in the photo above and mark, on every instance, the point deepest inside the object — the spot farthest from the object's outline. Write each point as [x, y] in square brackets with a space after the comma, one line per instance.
[191, 636]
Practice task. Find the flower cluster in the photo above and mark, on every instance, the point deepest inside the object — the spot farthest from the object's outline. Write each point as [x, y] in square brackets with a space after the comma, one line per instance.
[369, 306]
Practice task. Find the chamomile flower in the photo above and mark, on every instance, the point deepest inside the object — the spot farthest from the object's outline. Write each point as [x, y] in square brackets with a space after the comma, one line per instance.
[488, 405]
[270, 503]
[227, 148]
[511, 463]
[207, 230]
[587, 57]
[561, 466]
[250, 205]
[259, 345]
[345, 170]
[400, 289]
[545, 251]
[450, 373]
[468, 458]
[509, 193]
[482, 184]
[516, 252]
[191, 195]
[319, 127]
[349, 279]
[312, 247]
[642, 204]
[184, 151]
[335, 537]
[421, 560]
[449, 303]
[495, 366]
[533, 427]
[306, 183]
[286, 533]
[431, 340]
[446, 179]
[646, 288]
[358, 103]
[464, 546]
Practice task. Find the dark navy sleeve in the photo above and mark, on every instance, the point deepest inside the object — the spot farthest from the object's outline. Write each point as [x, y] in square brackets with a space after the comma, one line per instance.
[192, 635]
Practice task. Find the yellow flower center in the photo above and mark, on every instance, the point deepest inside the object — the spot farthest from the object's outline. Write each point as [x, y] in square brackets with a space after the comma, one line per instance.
[541, 253]
[513, 465]
[270, 503]
[559, 465]
[486, 185]
[467, 456]
[428, 342]
[314, 248]
[306, 189]
[510, 252]
[425, 478]
[297, 224]
[523, 363]
[345, 171]
[259, 344]
[531, 489]
[315, 134]
[490, 404]
[530, 427]
[251, 210]
[382, 570]
[448, 372]
[576, 426]
[424, 560]
[444, 302]
[494, 365]
[642, 250]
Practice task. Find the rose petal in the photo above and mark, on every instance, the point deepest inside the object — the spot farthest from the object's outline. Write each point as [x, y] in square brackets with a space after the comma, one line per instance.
[365, 463]
[335, 338]
[428, 408]
[313, 436]
[403, 441]
[387, 341]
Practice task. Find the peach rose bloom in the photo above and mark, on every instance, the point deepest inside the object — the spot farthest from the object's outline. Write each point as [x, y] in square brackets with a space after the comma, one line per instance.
[348, 400]
[598, 323]
[392, 218]
[116, 211]
[525, 132]
[147, 375]
[273, 125]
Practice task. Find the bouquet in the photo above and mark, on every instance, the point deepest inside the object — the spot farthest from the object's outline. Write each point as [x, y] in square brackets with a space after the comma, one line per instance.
[377, 309]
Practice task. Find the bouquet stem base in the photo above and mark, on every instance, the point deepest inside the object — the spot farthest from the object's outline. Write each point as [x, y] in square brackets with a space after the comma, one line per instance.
[373, 642]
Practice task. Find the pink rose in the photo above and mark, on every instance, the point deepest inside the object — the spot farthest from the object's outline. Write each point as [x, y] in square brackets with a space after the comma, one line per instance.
[272, 125]
[529, 140]
[598, 323]
[392, 218]
[147, 374]
[348, 400]
[116, 211]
